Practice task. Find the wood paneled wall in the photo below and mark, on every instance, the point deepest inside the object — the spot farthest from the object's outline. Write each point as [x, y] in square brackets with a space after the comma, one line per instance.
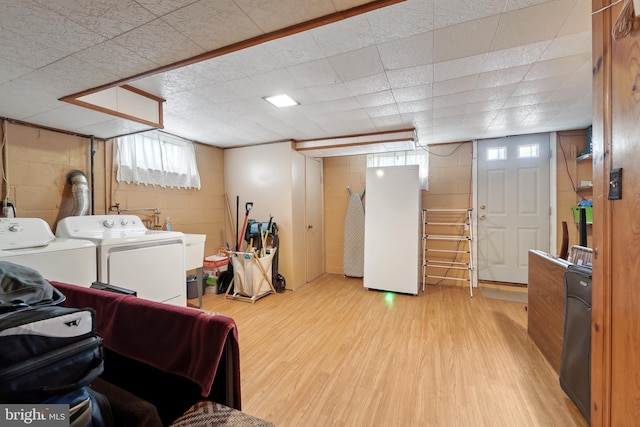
[616, 295]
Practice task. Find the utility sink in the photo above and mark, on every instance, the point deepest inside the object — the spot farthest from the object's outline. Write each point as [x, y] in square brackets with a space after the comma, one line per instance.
[194, 250]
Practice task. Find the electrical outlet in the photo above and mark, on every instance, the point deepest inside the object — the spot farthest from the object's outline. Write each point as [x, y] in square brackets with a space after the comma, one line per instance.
[615, 184]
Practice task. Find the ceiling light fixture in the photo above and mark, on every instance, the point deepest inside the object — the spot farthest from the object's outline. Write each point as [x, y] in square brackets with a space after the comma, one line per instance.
[281, 100]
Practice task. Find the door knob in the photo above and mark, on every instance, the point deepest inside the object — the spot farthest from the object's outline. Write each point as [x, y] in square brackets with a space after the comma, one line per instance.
[483, 206]
[483, 217]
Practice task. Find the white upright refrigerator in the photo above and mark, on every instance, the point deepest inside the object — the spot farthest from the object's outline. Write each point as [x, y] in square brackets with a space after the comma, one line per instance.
[392, 229]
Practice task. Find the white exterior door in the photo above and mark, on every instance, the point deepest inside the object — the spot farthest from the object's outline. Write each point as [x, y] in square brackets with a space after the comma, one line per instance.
[513, 205]
[313, 213]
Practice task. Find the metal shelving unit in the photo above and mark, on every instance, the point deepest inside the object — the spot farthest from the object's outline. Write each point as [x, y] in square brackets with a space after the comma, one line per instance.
[447, 244]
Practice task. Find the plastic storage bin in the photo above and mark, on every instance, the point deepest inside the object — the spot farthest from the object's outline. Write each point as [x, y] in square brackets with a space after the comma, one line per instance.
[192, 289]
[213, 265]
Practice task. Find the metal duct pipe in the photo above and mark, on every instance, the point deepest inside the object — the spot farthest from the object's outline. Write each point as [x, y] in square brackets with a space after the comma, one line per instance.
[80, 190]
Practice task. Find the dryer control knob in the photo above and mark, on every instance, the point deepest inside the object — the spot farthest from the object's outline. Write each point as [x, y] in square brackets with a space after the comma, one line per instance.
[108, 223]
[15, 228]
[124, 222]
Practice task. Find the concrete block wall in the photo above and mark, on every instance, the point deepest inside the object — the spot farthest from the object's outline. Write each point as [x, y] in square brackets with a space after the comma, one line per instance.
[38, 161]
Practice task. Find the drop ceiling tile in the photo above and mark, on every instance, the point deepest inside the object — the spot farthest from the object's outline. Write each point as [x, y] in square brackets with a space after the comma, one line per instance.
[83, 73]
[400, 20]
[112, 128]
[540, 85]
[70, 117]
[414, 106]
[314, 73]
[447, 87]
[252, 61]
[384, 123]
[580, 19]
[49, 84]
[492, 93]
[32, 53]
[343, 36]
[502, 77]
[376, 99]
[220, 69]
[357, 64]
[159, 43]
[521, 4]
[114, 59]
[173, 82]
[412, 93]
[515, 56]
[407, 52]
[329, 92]
[212, 24]
[556, 67]
[11, 70]
[458, 68]
[60, 33]
[109, 19]
[162, 7]
[243, 88]
[453, 111]
[294, 49]
[485, 106]
[382, 110]
[465, 39]
[533, 24]
[526, 100]
[276, 82]
[370, 84]
[26, 100]
[451, 12]
[461, 98]
[408, 77]
[269, 16]
[574, 44]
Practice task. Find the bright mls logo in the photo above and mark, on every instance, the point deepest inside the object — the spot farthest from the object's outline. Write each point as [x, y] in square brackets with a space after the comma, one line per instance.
[53, 415]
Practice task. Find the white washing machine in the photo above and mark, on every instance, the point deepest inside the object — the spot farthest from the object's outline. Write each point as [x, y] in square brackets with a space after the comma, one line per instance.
[129, 255]
[31, 243]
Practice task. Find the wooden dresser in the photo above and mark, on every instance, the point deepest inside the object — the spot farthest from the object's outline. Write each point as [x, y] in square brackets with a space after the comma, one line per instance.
[545, 309]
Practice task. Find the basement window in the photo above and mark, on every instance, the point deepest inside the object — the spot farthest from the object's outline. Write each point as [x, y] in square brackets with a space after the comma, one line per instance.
[156, 158]
[403, 158]
[496, 153]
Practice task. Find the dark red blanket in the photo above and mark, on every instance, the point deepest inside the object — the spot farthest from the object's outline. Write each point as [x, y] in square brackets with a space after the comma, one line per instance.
[178, 340]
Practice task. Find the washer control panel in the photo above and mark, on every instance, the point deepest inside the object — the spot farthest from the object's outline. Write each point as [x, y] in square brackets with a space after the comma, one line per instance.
[21, 233]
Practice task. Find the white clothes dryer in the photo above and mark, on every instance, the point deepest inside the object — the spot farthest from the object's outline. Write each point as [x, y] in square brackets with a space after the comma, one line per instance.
[31, 243]
[129, 255]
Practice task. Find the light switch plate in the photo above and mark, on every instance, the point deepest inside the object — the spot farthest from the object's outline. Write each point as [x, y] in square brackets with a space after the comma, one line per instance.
[636, 7]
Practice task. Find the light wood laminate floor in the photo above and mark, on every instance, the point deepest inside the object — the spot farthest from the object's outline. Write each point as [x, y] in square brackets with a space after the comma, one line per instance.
[335, 354]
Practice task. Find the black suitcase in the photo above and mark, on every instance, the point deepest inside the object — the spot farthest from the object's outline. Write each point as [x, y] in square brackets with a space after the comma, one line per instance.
[47, 351]
[575, 361]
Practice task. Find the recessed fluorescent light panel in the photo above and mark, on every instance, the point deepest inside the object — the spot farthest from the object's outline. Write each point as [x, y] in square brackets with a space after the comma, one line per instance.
[281, 100]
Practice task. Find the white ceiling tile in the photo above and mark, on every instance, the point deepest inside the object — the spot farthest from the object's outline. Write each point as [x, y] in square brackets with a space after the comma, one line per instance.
[159, 43]
[329, 92]
[383, 123]
[485, 106]
[173, 82]
[532, 24]
[357, 64]
[541, 85]
[276, 82]
[447, 87]
[114, 59]
[521, 4]
[458, 67]
[461, 98]
[212, 24]
[382, 110]
[413, 76]
[26, 101]
[32, 53]
[407, 52]
[53, 30]
[70, 117]
[370, 84]
[294, 49]
[314, 73]
[451, 12]
[376, 99]
[556, 67]
[162, 7]
[412, 93]
[343, 36]
[573, 44]
[492, 93]
[108, 19]
[400, 20]
[112, 128]
[502, 77]
[252, 61]
[269, 16]
[580, 19]
[414, 106]
[465, 39]
[11, 70]
[243, 88]
[453, 111]
[515, 56]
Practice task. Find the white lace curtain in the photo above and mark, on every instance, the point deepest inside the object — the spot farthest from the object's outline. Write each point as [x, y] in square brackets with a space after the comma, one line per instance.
[155, 158]
[403, 158]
